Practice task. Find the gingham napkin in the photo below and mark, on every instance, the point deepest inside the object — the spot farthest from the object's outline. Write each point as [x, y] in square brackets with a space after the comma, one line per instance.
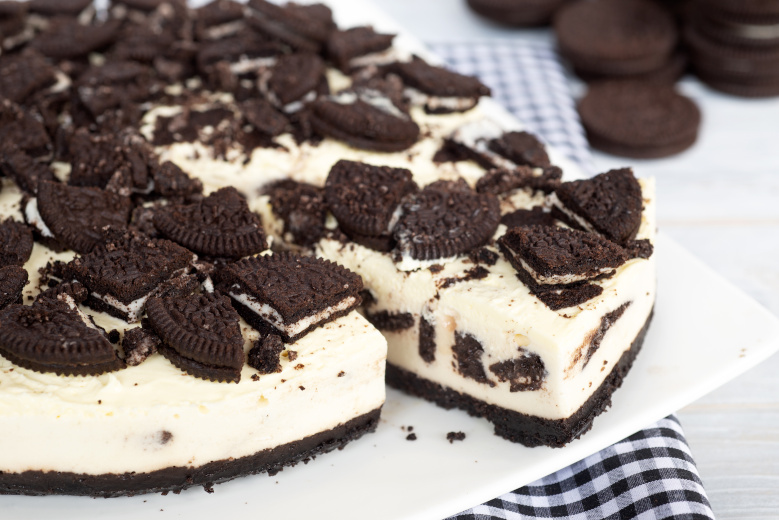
[649, 475]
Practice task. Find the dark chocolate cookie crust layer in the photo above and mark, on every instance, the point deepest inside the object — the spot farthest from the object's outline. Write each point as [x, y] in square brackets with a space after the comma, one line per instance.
[271, 461]
[525, 429]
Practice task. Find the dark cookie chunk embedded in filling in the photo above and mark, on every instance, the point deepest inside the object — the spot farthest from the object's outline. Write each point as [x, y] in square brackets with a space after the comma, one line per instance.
[122, 274]
[301, 27]
[606, 322]
[25, 171]
[445, 219]
[200, 334]
[114, 84]
[387, 320]
[221, 225]
[521, 148]
[68, 39]
[76, 217]
[13, 278]
[500, 181]
[467, 355]
[96, 158]
[524, 373]
[15, 243]
[289, 295]
[303, 209]
[427, 344]
[53, 335]
[23, 74]
[293, 81]
[528, 217]
[138, 344]
[344, 46]
[560, 256]
[172, 182]
[364, 198]
[609, 204]
[22, 130]
[261, 114]
[438, 89]
[367, 120]
[265, 355]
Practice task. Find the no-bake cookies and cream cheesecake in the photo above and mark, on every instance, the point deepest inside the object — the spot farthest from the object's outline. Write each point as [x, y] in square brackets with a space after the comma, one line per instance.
[197, 204]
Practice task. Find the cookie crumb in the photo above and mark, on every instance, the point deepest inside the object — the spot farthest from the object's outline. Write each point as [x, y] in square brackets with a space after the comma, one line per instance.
[411, 437]
[455, 436]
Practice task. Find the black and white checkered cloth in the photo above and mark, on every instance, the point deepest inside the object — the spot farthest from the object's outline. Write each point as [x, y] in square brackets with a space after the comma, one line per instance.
[650, 475]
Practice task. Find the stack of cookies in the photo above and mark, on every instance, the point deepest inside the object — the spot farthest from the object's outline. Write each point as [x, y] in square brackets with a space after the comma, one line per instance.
[734, 45]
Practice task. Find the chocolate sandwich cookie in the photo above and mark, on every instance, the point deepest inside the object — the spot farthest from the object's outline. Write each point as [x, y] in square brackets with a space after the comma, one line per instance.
[443, 220]
[24, 74]
[219, 226]
[53, 335]
[173, 183]
[246, 45]
[218, 19]
[25, 171]
[521, 148]
[114, 84]
[122, 274]
[264, 117]
[294, 81]
[301, 27]
[200, 334]
[59, 7]
[749, 11]
[519, 13]
[364, 199]
[13, 278]
[287, 294]
[499, 181]
[641, 120]
[15, 243]
[609, 204]
[96, 158]
[344, 46]
[21, 129]
[303, 209]
[68, 39]
[75, 218]
[616, 37]
[556, 263]
[439, 90]
[729, 30]
[366, 119]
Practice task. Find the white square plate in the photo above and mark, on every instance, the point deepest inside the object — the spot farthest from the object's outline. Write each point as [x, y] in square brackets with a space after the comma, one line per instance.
[705, 332]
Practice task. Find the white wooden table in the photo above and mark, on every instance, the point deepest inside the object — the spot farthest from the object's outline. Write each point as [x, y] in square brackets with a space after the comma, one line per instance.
[721, 200]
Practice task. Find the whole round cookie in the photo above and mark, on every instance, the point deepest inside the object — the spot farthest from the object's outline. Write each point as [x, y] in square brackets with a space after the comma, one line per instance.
[747, 10]
[520, 13]
[727, 29]
[616, 37]
[637, 119]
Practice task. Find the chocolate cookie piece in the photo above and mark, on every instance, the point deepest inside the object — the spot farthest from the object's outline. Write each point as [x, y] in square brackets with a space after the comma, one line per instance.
[122, 274]
[200, 334]
[560, 256]
[243, 46]
[218, 19]
[525, 373]
[25, 171]
[138, 344]
[23, 74]
[609, 204]
[75, 216]
[467, 353]
[53, 335]
[68, 39]
[189, 125]
[518, 13]
[301, 27]
[23, 130]
[641, 120]
[59, 7]
[438, 89]
[289, 295]
[265, 119]
[499, 181]
[172, 182]
[96, 158]
[265, 355]
[616, 37]
[15, 243]
[445, 219]
[114, 84]
[293, 81]
[74, 289]
[221, 225]
[146, 5]
[344, 46]
[367, 120]
[750, 11]
[303, 209]
[13, 278]
[521, 148]
[528, 217]
[364, 198]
